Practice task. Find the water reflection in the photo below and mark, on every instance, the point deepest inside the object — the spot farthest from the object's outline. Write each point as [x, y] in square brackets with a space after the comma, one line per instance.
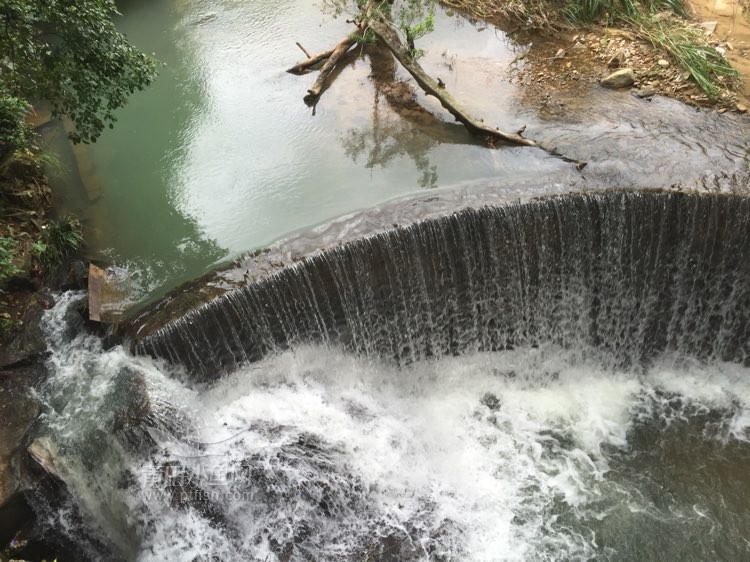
[221, 156]
[400, 125]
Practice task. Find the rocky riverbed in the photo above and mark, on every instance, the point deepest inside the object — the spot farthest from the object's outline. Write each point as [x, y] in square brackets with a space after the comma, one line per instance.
[567, 62]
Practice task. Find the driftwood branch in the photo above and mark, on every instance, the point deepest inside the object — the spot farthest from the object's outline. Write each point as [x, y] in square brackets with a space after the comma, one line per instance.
[309, 65]
[391, 39]
[339, 51]
[301, 48]
[432, 88]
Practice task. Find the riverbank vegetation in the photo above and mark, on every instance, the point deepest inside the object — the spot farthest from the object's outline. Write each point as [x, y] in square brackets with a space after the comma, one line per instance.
[70, 57]
[664, 24]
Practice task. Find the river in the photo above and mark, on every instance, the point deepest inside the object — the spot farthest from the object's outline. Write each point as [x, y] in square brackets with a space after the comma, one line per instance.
[562, 379]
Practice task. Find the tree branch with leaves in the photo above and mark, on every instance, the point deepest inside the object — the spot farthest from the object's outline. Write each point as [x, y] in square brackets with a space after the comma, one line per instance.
[72, 55]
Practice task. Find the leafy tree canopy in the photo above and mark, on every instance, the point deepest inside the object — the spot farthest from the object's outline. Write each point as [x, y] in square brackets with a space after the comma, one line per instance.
[70, 53]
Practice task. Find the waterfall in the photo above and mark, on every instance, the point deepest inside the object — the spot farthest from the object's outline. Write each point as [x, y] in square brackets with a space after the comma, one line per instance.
[630, 274]
[558, 379]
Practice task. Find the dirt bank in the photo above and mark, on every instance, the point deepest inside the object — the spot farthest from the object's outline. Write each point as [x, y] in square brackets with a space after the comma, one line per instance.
[565, 61]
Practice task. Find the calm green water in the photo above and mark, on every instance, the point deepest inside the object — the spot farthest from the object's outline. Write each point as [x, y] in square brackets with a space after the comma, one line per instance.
[221, 156]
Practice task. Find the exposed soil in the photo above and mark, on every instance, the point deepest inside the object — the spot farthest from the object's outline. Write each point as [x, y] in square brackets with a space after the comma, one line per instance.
[732, 33]
[564, 64]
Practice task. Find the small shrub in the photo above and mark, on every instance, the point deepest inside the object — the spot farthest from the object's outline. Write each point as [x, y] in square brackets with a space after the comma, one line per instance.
[59, 240]
[7, 254]
[688, 46]
[15, 132]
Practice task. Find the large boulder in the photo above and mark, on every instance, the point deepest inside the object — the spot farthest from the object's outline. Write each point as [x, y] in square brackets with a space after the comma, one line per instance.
[623, 78]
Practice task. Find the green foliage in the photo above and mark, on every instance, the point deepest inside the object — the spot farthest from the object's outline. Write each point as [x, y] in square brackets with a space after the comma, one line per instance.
[7, 253]
[589, 11]
[367, 37]
[15, 133]
[7, 324]
[70, 53]
[416, 18]
[688, 46]
[59, 240]
[7, 270]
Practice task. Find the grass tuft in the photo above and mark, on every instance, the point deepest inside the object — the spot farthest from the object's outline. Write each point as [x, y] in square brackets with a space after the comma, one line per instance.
[688, 46]
[652, 20]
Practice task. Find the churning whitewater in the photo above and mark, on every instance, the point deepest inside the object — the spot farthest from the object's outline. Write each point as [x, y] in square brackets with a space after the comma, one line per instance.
[535, 453]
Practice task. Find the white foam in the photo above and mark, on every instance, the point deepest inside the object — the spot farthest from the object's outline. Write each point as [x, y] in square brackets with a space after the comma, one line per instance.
[416, 451]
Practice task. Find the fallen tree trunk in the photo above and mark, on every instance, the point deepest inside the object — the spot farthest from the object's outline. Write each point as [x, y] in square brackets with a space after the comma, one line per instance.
[391, 40]
[309, 65]
[339, 51]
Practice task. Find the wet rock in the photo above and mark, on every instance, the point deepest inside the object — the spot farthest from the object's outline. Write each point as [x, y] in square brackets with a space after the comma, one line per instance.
[131, 407]
[108, 294]
[14, 515]
[491, 401]
[46, 455]
[18, 410]
[645, 92]
[185, 492]
[619, 79]
[28, 341]
[45, 299]
[75, 317]
[8, 482]
[616, 60]
[395, 547]
[72, 275]
[135, 404]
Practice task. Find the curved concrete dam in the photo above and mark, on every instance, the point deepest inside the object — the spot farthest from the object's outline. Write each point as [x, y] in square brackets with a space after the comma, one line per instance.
[630, 274]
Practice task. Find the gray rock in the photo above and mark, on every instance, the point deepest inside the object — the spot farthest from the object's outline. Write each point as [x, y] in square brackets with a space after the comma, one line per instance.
[18, 410]
[645, 92]
[491, 401]
[46, 454]
[622, 78]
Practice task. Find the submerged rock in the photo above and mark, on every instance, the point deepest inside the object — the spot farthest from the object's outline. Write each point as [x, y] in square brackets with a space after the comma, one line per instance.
[622, 78]
[491, 401]
[46, 454]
